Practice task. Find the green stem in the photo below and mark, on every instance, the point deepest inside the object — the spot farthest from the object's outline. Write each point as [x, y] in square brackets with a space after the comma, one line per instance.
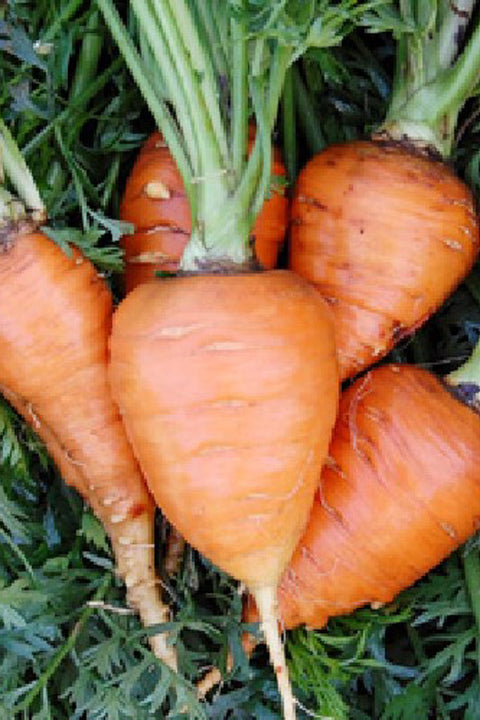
[453, 25]
[239, 98]
[307, 115]
[203, 67]
[264, 132]
[67, 11]
[19, 174]
[279, 67]
[210, 157]
[85, 72]
[229, 229]
[66, 648]
[204, 9]
[156, 106]
[289, 128]
[88, 57]
[433, 82]
[171, 75]
[471, 565]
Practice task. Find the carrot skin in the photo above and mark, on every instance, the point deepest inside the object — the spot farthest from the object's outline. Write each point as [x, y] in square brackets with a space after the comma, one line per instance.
[219, 393]
[154, 201]
[225, 415]
[55, 318]
[400, 492]
[385, 236]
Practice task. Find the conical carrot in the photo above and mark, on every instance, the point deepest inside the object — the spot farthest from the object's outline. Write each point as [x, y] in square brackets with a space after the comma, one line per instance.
[154, 201]
[214, 371]
[55, 317]
[219, 393]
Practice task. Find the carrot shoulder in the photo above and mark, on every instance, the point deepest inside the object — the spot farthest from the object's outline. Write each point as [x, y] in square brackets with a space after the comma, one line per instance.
[55, 318]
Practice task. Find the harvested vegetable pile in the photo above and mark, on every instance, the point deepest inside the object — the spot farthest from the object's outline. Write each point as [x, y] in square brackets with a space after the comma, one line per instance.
[225, 377]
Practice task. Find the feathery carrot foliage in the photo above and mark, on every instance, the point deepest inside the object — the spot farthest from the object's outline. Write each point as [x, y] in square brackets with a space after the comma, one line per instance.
[68, 645]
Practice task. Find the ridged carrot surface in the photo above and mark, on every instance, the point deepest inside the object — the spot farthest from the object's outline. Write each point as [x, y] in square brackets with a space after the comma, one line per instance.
[228, 389]
[55, 319]
[154, 201]
[400, 492]
[385, 236]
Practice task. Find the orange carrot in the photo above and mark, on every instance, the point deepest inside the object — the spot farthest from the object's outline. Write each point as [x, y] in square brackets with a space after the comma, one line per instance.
[384, 229]
[385, 236]
[399, 493]
[154, 202]
[228, 389]
[216, 371]
[55, 318]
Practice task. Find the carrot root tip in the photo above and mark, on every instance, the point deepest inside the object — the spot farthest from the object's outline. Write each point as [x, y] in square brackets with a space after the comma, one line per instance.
[266, 600]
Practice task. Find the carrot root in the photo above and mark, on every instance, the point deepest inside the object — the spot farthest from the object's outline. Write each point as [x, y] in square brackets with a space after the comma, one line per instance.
[134, 552]
[266, 599]
[132, 540]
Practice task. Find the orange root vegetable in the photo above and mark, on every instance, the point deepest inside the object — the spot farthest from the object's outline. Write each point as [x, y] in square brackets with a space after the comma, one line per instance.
[228, 390]
[399, 493]
[385, 235]
[155, 203]
[55, 318]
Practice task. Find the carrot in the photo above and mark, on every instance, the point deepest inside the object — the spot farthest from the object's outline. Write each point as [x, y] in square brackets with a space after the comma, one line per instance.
[383, 228]
[55, 319]
[154, 201]
[399, 493]
[215, 371]
[220, 398]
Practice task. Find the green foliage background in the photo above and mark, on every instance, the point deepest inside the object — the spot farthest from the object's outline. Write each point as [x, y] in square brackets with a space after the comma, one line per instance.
[69, 648]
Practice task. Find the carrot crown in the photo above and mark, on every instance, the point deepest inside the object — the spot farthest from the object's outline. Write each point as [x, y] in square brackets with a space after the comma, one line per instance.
[202, 66]
[437, 70]
[13, 165]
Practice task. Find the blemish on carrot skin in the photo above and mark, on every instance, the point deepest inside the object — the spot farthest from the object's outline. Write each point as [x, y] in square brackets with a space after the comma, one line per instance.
[136, 510]
[225, 347]
[311, 201]
[449, 529]
[179, 331]
[453, 244]
[121, 517]
[156, 191]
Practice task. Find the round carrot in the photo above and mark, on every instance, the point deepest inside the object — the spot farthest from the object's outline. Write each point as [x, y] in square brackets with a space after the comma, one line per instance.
[384, 229]
[398, 494]
[154, 202]
[55, 318]
[385, 235]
